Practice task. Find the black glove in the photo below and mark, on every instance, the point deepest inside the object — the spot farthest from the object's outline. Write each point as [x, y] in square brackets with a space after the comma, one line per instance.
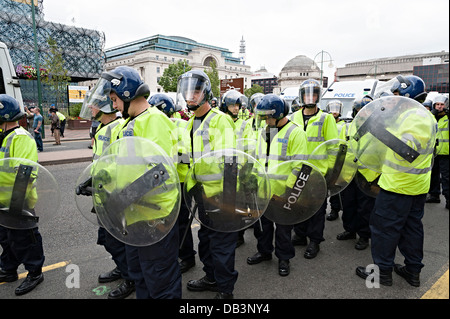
[85, 188]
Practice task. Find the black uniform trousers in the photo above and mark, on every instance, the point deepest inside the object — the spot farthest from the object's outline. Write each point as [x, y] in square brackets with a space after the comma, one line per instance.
[155, 269]
[314, 226]
[357, 210]
[397, 222]
[284, 249]
[440, 175]
[216, 251]
[21, 246]
[187, 251]
[117, 250]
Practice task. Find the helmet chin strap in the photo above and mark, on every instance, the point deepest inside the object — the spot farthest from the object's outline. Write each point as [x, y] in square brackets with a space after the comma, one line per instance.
[126, 106]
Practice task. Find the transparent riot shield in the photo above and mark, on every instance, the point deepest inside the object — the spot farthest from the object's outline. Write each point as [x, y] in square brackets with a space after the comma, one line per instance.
[136, 191]
[29, 194]
[247, 145]
[368, 188]
[392, 134]
[342, 164]
[298, 190]
[226, 190]
[83, 196]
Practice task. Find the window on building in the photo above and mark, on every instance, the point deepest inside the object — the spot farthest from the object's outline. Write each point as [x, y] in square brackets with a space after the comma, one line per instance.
[158, 69]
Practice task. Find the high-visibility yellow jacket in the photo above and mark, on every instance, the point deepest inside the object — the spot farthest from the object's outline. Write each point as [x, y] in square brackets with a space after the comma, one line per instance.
[17, 144]
[320, 128]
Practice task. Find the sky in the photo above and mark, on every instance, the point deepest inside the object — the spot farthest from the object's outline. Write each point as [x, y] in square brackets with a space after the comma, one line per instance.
[275, 31]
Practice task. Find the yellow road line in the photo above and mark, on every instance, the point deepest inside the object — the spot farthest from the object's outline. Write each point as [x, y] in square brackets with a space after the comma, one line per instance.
[439, 290]
[46, 268]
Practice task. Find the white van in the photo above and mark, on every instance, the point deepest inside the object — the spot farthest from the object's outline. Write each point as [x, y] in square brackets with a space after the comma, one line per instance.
[347, 92]
[9, 82]
[289, 94]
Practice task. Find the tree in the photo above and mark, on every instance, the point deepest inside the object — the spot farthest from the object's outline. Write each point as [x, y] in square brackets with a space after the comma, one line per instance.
[169, 79]
[213, 75]
[58, 78]
[254, 89]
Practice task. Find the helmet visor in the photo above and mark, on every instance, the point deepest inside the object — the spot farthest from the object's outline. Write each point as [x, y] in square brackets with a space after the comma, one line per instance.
[97, 101]
[309, 94]
[191, 90]
[334, 107]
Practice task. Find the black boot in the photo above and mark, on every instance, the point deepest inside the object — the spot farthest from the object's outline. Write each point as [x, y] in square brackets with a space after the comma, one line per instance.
[110, 276]
[223, 295]
[8, 276]
[385, 277]
[202, 284]
[362, 243]
[346, 235]
[30, 282]
[123, 290]
[333, 215]
[283, 267]
[257, 258]
[312, 250]
[413, 278]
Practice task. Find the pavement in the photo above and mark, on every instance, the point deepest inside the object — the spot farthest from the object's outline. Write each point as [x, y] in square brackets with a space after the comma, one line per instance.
[65, 156]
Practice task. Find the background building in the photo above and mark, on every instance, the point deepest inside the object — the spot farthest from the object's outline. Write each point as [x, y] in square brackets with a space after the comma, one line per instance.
[297, 70]
[386, 68]
[152, 55]
[82, 49]
[268, 81]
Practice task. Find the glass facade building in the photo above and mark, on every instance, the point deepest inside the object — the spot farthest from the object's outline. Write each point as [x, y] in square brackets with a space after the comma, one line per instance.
[82, 49]
[167, 44]
[435, 77]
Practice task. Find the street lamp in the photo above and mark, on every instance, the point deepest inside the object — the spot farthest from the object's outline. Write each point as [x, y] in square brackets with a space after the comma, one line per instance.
[36, 57]
[330, 65]
[375, 73]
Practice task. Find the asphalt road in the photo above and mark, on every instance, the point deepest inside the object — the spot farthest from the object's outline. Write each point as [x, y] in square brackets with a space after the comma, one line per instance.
[70, 249]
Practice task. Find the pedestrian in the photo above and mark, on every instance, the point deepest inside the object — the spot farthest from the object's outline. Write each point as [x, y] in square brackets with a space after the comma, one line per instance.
[281, 141]
[55, 125]
[319, 127]
[20, 246]
[209, 130]
[396, 221]
[153, 268]
[38, 127]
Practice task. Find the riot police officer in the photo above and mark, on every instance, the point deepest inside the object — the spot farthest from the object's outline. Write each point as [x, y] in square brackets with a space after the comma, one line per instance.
[357, 205]
[439, 173]
[334, 107]
[319, 127]
[209, 130]
[187, 252]
[129, 95]
[20, 246]
[280, 141]
[99, 108]
[396, 221]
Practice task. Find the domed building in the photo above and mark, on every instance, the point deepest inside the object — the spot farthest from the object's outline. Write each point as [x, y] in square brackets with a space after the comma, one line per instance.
[296, 71]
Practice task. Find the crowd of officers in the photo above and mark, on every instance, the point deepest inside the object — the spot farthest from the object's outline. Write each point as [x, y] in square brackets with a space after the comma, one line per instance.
[154, 271]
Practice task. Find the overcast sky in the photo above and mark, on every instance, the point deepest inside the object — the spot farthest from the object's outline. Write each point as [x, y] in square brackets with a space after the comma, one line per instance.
[275, 31]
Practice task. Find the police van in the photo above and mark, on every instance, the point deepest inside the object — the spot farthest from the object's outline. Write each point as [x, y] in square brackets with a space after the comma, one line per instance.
[289, 94]
[9, 82]
[347, 92]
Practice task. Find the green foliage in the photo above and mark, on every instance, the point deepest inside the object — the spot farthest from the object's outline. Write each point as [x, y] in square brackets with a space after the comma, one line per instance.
[213, 75]
[254, 89]
[169, 79]
[57, 78]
